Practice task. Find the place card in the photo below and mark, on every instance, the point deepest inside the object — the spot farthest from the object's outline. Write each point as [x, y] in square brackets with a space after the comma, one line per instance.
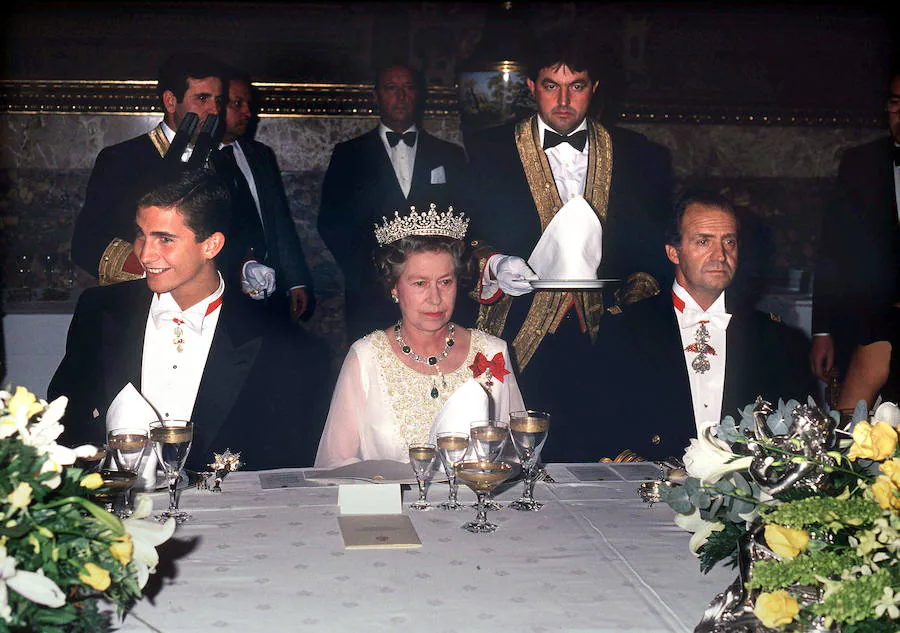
[369, 499]
[269, 480]
[375, 531]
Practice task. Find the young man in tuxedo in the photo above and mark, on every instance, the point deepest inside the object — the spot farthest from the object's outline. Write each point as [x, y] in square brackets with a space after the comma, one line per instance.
[692, 354]
[122, 173]
[390, 168]
[263, 251]
[191, 345]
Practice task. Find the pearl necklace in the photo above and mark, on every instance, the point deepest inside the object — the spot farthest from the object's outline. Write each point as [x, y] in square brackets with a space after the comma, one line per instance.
[431, 361]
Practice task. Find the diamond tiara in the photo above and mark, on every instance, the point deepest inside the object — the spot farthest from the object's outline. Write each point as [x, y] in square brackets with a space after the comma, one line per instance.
[431, 222]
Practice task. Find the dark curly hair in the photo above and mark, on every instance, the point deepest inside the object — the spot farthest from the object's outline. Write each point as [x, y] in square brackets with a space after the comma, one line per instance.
[391, 258]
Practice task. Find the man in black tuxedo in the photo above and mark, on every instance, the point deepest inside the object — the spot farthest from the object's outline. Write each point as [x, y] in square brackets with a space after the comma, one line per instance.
[101, 239]
[191, 345]
[856, 277]
[263, 251]
[671, 362]
[393, 167]
[523, 174]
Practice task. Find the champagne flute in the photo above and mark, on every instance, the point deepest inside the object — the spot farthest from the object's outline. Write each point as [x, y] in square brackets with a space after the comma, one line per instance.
[172, 442]
[482, 477]
[488, 438]
[129, 448]
[452, 446]
[528, 430]
[422, 459]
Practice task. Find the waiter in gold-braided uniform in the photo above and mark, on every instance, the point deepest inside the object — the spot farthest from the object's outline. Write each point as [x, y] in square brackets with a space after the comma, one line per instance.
[524, 173]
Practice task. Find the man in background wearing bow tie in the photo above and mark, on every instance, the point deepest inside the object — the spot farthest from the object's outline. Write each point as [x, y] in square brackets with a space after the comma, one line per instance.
[263, 252]
[191, 345]
[523, 173]
[390, 168]
[101, 239]
[671, 362]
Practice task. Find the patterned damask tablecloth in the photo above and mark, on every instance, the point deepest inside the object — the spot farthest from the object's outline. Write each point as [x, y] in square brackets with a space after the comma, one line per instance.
[595, 558]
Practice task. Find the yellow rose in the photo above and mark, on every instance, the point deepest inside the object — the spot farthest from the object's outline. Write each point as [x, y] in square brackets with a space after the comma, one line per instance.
[886, 493]
[873, 441]
[23, 402]
[21, 496]
[776, 609]
[784, 541]
[891, 468]
[95, 576]
[92, 481]
[122, 549]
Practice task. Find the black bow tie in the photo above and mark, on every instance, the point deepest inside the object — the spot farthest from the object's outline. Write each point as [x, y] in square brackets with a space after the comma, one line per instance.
[409, 138]
[576, 140]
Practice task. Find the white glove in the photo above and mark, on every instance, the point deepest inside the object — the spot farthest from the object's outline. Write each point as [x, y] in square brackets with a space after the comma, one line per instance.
[513, 274]
[257, 280]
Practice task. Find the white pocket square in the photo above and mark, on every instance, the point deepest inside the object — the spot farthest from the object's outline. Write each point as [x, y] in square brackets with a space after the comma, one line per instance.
[438, 177]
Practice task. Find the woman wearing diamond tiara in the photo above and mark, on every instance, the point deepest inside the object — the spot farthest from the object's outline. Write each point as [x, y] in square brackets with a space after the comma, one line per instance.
[394, 382]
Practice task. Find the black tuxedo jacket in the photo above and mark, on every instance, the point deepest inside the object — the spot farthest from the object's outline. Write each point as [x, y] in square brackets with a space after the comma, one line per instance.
[645, 396]
[122, 173]
[859, 251]
[264, 391]
[360, 188]
[283, 250]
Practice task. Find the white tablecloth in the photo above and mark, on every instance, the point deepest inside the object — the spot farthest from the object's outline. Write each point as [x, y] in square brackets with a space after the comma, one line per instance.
[595, 558]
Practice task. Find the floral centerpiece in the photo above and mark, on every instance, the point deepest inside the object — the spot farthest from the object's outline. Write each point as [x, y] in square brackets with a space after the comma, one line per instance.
[807, 510]
[60, 553]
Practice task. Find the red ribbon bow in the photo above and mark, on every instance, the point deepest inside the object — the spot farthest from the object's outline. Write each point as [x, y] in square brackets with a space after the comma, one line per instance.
[497, 366]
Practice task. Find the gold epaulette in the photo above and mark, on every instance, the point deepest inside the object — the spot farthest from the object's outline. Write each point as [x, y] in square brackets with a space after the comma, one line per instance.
[775, 317]
[111, 262]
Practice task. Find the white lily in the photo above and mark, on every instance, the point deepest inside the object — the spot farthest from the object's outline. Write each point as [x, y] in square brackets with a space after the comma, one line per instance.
[701, 529]
[31, 585]
[887, 412]
[146, 535]
[709, 459]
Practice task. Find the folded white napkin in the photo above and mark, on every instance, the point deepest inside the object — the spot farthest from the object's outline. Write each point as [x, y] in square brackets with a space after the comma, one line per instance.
[467, 404]
[571, 246]
[130, 409]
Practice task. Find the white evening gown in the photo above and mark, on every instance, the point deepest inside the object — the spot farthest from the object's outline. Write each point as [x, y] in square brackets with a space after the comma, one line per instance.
[380, 405]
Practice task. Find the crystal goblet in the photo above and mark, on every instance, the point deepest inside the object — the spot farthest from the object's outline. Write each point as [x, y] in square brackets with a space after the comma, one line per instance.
[116, 484]
[129, 448]
[528, 430]
[482, 477]
[452, 446]
[171, 441]
[488, 439]
[422, 458]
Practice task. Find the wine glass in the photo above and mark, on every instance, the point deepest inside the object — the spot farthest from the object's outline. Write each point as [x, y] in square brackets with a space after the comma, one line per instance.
[116, 484]
[422, 459]
[129, 448]
[528, 430]
[171, 441]
[488, 438]
[482, 477]
[452, 446]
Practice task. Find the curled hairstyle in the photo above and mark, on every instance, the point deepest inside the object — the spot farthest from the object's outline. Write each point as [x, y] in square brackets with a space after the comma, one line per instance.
[175, 71]
[199, 195]
[390, 259]
[697, 196]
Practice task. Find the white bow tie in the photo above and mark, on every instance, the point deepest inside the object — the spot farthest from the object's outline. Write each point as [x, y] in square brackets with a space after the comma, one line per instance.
[693, 317]
[164, 318]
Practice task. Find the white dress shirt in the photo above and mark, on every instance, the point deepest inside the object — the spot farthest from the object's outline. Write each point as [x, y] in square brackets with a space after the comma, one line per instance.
[403, 157]
[569, 166]
[708, 388]
[170, 378]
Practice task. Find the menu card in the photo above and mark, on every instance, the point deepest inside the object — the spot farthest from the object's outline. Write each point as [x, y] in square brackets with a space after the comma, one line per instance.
[368, 531]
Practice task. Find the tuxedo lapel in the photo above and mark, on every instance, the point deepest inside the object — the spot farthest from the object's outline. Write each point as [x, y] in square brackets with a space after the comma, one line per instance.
[231, 358]
[663, 344]
[123, 341]
[737, 364]
[383, 171]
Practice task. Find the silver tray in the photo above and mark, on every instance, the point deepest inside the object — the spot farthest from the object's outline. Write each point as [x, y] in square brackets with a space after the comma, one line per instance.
[571, 284]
